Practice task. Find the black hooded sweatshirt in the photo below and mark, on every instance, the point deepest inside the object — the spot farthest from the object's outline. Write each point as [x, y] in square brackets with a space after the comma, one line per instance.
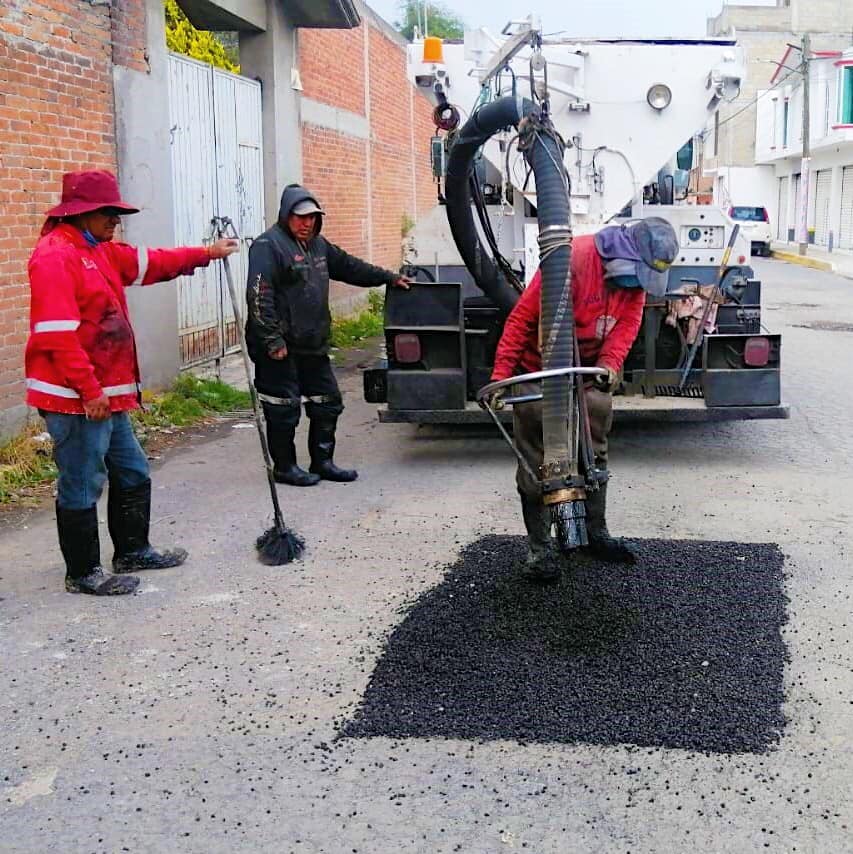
[287, 290]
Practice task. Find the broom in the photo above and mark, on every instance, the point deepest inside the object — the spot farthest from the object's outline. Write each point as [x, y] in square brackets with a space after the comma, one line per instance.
[278, 545]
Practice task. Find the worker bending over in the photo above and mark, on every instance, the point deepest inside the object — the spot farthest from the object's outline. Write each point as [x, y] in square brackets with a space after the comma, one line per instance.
[610, 274]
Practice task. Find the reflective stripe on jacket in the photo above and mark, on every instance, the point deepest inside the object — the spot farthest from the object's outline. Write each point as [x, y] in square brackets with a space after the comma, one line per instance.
[81, 342]
[607, 319]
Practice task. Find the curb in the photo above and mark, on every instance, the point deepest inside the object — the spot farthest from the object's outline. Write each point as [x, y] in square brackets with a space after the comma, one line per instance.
[803, 261]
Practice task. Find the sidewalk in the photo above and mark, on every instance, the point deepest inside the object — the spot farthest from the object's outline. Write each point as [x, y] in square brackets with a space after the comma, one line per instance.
[839, 261]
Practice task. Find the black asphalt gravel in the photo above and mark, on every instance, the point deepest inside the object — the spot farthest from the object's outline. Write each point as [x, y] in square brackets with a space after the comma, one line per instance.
[683, 650]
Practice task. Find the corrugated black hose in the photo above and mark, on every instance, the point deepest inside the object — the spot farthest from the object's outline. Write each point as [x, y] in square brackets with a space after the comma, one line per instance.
[483, 124]
[544, 150]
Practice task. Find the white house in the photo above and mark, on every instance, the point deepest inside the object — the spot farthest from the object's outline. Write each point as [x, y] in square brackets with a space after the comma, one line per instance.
[779, 143]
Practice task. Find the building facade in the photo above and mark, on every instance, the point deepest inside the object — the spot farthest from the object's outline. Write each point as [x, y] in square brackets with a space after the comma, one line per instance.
[86, 85]
[764, 33]
[779, 148]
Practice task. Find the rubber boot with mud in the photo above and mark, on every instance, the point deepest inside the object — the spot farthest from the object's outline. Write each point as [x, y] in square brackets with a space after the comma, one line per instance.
[539, 565]
[601, 544]
[283, 451]
[321, 446]
[128, 519]
[81, 548]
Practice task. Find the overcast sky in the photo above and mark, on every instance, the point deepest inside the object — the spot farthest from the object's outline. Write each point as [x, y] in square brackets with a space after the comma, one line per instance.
[585, 18]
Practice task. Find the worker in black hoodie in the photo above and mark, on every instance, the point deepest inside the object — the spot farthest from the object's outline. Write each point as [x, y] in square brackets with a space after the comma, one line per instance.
[288, 328]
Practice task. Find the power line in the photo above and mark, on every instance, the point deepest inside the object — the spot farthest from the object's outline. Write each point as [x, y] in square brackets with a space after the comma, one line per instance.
[755, 100]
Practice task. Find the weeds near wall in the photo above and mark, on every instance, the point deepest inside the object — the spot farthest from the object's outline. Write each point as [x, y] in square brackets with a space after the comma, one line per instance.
[349, 332]
[26, 461]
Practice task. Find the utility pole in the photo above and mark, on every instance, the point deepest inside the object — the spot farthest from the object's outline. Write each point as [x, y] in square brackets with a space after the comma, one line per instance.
[805, 168]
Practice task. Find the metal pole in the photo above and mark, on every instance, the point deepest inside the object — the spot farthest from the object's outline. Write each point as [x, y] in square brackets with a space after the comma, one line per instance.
[805, 168]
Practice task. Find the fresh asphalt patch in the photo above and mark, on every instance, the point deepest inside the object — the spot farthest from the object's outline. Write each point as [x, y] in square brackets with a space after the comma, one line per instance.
[682, 650]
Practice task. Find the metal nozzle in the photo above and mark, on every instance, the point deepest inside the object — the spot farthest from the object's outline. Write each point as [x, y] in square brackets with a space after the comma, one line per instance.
[570, 521]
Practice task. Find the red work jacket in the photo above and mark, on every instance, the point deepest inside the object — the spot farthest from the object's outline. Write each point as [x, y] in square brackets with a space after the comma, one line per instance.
[81, 343]
[607, 319]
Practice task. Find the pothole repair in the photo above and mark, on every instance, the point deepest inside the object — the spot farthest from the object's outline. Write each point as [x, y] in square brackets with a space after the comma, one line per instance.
[683, 650]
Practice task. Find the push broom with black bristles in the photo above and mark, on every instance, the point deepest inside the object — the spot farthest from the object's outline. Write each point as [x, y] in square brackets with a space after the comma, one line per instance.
[278, 545]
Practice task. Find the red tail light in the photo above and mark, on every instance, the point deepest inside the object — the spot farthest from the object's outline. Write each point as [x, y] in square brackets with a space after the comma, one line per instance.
[766, 215]
[756, 352]
[407, 348]
[732, 212]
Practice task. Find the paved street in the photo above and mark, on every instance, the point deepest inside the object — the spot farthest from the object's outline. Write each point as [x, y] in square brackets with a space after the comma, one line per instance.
[202, 715]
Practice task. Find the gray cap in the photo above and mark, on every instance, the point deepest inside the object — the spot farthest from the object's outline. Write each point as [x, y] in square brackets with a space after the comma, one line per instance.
[306, 207]
[658, 247]
[656, 241]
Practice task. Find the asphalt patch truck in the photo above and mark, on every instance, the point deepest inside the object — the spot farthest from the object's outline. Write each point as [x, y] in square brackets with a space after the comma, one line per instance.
[630, 112]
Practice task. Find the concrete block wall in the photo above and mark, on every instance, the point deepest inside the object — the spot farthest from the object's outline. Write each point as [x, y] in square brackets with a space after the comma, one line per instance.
[365, 141]
[56, 115]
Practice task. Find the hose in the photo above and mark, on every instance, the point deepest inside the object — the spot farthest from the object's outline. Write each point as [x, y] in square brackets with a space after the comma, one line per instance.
[483, 124]
[543, 149]
[544, 152]
[561, 479]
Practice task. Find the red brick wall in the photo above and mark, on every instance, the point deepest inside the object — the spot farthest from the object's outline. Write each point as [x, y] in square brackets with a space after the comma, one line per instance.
[56, 115]
[331, 64]
[365, 213]
[335, 167]
[427, 193]
[128, 34]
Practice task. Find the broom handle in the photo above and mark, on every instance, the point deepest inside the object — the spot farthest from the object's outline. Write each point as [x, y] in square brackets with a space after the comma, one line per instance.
[222, 225]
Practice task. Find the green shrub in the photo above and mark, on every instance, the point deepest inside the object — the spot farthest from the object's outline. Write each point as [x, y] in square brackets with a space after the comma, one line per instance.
[349, 331]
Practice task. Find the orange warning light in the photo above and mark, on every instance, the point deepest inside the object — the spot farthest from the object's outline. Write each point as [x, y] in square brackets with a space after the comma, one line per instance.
[433, 50]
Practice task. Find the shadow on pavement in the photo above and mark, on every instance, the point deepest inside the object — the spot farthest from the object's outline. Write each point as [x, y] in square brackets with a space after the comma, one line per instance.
[683, 650]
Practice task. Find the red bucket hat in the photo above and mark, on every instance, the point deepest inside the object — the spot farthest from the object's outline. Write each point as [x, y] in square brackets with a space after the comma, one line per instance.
[87, 191]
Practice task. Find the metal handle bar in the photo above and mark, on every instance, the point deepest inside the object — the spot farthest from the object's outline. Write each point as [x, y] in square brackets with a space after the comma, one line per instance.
[486, 390]
[491, 388]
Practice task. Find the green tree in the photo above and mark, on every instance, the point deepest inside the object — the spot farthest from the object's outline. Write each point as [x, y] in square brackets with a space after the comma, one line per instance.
[183, 37]
[441, 21]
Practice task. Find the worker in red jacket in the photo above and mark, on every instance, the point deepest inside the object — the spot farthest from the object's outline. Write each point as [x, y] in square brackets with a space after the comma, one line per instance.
[83, 377]
[611, 272]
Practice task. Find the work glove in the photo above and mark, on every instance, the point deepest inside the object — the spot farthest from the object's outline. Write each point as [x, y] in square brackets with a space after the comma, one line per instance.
[606, 382]
[495, 399]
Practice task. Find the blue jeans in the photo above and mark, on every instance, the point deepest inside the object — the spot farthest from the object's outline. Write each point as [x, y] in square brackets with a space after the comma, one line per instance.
[87, 452]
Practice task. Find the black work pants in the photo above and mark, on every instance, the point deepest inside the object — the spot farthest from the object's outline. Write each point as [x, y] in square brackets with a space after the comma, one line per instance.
[527, 430]
[283, 383]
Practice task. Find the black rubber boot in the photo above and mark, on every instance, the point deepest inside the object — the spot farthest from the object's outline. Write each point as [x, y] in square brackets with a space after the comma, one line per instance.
[283, 450]
[81, 548]
[321, 446]
[128, 518]
[601, 544]
[539, 564]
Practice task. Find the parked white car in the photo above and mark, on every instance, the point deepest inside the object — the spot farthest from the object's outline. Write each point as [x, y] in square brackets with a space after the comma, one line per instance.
[755, 225]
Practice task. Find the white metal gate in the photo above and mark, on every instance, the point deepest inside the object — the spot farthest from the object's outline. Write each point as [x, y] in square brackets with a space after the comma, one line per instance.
[823, 191]
[782, 223]
[217, 170]
[846, 236]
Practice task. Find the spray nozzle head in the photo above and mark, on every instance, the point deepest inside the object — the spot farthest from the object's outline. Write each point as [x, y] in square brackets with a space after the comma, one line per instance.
[570, 522]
